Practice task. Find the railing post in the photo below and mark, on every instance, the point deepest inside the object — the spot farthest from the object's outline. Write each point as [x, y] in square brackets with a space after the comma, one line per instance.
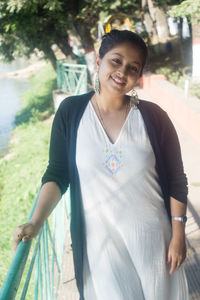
[72, 78]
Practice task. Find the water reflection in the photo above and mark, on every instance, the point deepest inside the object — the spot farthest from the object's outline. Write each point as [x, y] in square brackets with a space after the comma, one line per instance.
[10, 91]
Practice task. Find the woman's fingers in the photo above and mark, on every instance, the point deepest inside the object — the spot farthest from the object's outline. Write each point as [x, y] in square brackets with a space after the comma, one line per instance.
[18, 235]
[173, 266]
[173, 263]
[176, 255]
[26, 238]
[23, 232]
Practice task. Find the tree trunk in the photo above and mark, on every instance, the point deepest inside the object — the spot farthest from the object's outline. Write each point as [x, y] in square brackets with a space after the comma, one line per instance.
[161, 25]
[83, 30]
[160, 19]
[62, 43]
[180, 31]
[153, 36]
[149, 25]
[195, 49]
[49, 54]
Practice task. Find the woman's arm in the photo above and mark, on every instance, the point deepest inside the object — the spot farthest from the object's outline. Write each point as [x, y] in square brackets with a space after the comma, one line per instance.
[48, 198]
[177, 247]
[55, 180]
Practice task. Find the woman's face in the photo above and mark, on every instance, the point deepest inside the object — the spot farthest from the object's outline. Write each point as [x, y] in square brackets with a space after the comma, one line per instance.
[120, 69]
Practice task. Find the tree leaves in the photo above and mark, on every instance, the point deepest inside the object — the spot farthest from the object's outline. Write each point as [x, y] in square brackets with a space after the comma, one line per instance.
[186, 8]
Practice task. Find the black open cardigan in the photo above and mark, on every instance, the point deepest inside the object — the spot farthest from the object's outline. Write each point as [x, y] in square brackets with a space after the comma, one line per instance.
[62, 167]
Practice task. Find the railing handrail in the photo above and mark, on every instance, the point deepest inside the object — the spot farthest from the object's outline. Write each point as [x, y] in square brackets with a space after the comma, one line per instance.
[15, 271]
[57, 242]
[81, 66]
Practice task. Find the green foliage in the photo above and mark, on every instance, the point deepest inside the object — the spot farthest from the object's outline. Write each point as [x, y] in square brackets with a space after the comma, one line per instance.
[20, 175]
[164, 70]
[195, 89]
[172, 74]
[38, 106]
[178, 77]
[26, 25]
[186, 8]
[174, 77]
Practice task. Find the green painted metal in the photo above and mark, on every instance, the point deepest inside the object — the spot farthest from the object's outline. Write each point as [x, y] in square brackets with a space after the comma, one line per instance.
[13, 278]
[46, 259]
[30, 268]
[72, 78]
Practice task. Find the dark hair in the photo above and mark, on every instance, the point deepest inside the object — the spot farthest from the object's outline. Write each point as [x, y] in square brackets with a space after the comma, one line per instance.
[116, 37]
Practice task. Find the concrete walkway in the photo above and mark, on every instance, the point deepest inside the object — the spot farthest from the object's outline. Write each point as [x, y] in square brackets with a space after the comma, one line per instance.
[191, 159]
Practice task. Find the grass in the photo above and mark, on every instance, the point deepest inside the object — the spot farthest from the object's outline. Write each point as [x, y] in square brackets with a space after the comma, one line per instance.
[20, 175]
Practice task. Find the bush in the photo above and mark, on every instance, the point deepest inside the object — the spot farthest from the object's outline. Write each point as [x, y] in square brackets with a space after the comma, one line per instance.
[195, 89]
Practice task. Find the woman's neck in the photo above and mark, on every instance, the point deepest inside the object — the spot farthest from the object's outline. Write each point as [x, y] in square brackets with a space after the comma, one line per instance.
[108, 102]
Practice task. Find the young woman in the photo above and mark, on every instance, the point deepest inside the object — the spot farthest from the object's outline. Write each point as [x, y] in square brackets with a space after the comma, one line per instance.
[122, 160]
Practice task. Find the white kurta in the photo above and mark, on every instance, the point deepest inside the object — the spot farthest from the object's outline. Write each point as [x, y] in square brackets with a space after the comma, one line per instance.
[127, 227]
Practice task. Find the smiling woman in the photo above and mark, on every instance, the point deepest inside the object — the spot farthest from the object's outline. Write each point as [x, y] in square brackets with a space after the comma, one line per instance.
[118, 72]
[122, 159]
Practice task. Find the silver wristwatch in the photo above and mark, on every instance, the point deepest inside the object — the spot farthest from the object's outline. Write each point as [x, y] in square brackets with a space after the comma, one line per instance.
[181, 219]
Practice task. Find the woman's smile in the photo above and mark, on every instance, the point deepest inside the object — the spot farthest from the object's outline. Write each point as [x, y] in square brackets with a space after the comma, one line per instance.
[120, 69]
[118, 81]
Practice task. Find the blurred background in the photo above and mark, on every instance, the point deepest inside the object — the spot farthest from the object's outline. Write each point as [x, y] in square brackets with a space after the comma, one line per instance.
[47, 48]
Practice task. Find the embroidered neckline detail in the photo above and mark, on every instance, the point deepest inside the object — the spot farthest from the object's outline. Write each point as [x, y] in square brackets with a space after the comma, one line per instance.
[113, 160]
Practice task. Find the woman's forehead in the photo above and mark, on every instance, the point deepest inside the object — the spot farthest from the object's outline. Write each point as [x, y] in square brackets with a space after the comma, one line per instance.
[126, 50]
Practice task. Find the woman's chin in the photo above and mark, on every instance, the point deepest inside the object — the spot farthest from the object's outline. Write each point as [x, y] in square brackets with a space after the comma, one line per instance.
[115, 88]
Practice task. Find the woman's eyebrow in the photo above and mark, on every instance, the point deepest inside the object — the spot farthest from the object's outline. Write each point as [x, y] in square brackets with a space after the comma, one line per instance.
[135, 62]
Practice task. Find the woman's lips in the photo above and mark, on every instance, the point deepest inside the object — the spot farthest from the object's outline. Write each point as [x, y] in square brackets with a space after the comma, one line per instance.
[118, 81]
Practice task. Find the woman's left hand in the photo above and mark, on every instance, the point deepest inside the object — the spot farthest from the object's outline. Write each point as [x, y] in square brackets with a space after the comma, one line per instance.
[176, 253]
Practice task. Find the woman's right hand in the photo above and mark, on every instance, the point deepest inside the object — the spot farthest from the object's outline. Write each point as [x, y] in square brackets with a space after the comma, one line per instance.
[24, 232]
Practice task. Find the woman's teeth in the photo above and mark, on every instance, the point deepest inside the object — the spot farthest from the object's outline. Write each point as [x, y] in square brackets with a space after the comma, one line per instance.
[118, 80]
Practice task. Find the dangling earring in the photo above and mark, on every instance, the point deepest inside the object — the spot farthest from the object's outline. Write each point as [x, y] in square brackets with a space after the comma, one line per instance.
[134, 101]
[96, 84]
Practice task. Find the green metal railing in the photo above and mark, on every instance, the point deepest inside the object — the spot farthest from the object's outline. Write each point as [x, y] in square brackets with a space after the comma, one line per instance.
[46, 259]
[48, 248]
[72, 79]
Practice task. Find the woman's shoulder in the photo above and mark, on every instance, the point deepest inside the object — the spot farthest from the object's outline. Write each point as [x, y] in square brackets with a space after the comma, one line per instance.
[71, 108]
[151, 106]
[154, 113]
[76, 101]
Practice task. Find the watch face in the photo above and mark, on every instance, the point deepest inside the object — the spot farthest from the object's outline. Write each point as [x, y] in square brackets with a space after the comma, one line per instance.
[184, 219]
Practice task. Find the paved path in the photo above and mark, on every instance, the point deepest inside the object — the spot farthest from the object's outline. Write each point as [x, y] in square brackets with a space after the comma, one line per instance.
[191, 158]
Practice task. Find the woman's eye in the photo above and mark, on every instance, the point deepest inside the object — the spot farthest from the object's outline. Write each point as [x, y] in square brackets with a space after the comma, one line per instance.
[133, 68]
[116, 60]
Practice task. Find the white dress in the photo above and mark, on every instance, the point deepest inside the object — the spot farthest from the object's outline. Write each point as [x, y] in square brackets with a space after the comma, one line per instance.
[127, 227]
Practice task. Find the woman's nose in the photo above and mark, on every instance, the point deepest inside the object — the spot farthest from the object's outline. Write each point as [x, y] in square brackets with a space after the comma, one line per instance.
[122, 71]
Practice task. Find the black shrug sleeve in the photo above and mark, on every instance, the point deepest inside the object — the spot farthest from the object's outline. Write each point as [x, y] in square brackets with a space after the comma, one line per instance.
[57, 169]
[171, 152]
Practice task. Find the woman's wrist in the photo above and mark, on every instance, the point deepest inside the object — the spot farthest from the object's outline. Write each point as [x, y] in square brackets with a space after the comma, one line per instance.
[36, 223]
[178, 229]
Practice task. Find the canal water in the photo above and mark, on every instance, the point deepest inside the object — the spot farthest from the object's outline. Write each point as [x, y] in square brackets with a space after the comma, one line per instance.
[10, 93]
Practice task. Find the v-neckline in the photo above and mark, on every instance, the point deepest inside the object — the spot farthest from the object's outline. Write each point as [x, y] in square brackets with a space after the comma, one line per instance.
[103, 129]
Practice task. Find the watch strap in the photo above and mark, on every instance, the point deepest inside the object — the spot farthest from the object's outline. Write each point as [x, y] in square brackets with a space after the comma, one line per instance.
[181, 219]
